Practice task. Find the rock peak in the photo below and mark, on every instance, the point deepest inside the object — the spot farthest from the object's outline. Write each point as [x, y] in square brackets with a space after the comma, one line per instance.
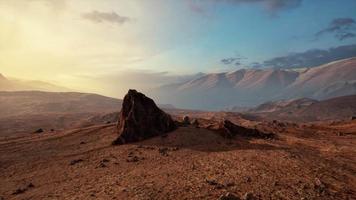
[140, 118]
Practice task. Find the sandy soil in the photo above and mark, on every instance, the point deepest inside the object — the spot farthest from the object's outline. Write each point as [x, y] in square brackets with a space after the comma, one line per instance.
[307, 161]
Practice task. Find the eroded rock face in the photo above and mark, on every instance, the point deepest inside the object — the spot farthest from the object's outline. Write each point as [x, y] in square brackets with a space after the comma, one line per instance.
[228, 130]
[140, 118]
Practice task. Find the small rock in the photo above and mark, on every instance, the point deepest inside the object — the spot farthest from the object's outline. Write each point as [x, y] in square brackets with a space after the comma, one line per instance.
[163, 151]
[195, 123]
[186, 121]
[319, 185]
[248, 179]
[19, 191]
[73, 162]
[230, 184]
[30, 185]
[248, 196]
[229, 196]
[132, 159]
[102, 165]
[40, 130]
[82, 142]
[211, 182]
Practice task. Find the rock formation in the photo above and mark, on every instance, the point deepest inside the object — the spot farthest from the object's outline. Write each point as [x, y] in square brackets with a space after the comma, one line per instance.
[228, 130]
[140, 118]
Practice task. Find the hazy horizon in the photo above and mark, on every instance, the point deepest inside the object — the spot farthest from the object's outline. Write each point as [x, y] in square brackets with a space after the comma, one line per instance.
[108, 47]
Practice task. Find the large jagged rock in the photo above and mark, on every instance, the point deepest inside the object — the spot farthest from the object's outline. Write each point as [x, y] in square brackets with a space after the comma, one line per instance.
[140, 118]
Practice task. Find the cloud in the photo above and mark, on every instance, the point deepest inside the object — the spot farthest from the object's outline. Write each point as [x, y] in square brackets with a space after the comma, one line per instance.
[233, 60]
[272, 6]
[341, 28]
[312, 58]
[110, 17]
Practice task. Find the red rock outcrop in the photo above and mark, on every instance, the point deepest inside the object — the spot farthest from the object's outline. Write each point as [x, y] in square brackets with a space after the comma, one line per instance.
[140, 118]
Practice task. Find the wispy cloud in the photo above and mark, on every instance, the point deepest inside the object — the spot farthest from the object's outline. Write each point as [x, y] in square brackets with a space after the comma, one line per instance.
[272, 6]
[109, 17]
[312, 57]
[237, 60]
[341, 28]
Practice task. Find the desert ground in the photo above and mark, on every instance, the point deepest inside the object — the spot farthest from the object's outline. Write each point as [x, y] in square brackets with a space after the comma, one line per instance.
[304, 161]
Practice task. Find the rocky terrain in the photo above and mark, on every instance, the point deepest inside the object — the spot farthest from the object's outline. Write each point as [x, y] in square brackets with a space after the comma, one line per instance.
[194, 161]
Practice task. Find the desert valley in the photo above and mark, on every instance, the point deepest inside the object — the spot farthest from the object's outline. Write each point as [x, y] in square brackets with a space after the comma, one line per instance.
[59, 145]
[177, 100]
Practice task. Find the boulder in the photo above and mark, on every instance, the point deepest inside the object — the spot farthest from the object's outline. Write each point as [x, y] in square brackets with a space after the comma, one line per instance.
[140, 119]
[186, 120]
[228, 130]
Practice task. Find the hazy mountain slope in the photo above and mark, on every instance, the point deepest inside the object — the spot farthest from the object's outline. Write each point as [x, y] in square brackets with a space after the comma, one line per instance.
[217, 91]
[36, 102]
[308, 110]
[7, 84]
[250, 87]
[321, 82]
[27, 111]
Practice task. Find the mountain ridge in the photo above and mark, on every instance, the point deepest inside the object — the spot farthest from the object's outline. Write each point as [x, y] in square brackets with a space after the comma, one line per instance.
[251, 87]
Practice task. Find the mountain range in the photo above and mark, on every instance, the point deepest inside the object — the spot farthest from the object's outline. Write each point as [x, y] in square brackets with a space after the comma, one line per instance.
[251, 87]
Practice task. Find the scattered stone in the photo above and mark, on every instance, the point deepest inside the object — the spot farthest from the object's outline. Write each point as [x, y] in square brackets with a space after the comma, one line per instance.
[229, 196]
[108, 122]
[102, 165]
[163, 151]
[186, 121]
[230, 184]
[82, 142]
[22, 189]
[175, 149]
[73, 162]
[40, 130]
[248, 196]
[105, 160]
[195, 123]
[248, 179]
[132, 159]
[228, 130]
[319, 186]
[211, 182]
[140, 119]
[19, 191]
[353, 118]
[52, 129]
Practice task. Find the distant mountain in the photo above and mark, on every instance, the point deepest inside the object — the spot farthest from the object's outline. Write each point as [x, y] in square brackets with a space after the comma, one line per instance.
[326, 81]
[308, 109]
[7, 84]
[250, 87]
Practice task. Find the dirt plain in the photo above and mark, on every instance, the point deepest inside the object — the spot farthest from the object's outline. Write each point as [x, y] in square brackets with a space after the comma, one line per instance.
[305, 161]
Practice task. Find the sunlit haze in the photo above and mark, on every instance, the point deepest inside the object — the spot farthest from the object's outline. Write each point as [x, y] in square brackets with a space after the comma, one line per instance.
[109, 46]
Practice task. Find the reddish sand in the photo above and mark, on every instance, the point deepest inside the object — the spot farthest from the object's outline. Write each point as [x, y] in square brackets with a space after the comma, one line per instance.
[307, 161]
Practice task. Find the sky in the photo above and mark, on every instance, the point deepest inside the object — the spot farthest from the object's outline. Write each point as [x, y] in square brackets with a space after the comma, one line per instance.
[108, 46]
